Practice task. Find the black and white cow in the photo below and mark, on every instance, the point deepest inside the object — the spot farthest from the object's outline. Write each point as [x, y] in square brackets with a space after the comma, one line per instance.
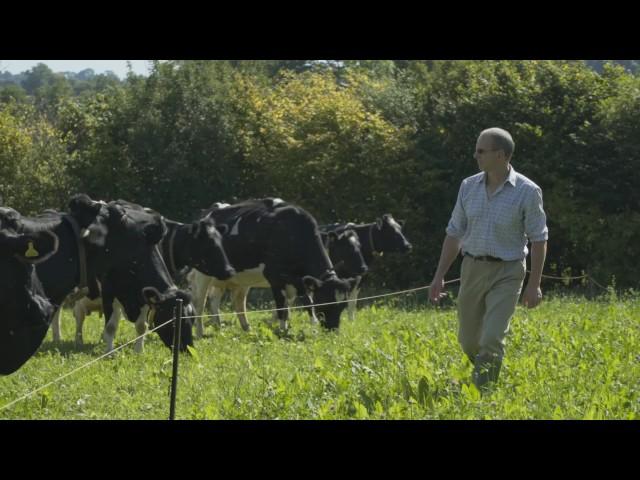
[98, 239]
[382, 236]
[120, 293]
[185, 246]
[25, 312]
[273, 244]
[344, 252]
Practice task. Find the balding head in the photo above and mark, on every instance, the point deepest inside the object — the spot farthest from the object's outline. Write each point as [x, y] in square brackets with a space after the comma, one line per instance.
[501, 140]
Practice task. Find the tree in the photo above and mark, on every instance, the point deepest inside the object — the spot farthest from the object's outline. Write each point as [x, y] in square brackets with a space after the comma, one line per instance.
[12, 92]
[33, 161]
[37, 77]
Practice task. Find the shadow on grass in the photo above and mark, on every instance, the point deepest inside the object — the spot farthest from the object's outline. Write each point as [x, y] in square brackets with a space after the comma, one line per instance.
[67, 347]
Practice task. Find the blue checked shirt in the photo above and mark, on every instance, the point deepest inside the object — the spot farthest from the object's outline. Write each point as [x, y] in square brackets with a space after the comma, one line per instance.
[499, 225]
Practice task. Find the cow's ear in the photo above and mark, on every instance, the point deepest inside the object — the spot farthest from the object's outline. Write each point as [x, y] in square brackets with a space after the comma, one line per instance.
[84, 209]
[151, 295]
[32, 248]
[379, 223]
[40, 246]
[311, 284]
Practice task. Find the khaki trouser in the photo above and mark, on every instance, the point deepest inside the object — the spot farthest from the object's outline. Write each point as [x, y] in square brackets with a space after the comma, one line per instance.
[489, 293]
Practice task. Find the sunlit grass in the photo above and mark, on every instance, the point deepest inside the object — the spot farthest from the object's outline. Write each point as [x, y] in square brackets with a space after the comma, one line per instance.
[568, 359]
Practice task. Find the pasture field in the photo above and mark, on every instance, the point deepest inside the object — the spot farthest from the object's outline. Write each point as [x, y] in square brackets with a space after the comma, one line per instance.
[568, 359]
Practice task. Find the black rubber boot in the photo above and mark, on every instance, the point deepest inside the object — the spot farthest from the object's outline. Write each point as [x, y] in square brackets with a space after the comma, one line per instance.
[486, 371]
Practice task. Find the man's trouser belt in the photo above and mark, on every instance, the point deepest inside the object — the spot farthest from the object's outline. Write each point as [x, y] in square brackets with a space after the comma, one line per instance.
[484, 258]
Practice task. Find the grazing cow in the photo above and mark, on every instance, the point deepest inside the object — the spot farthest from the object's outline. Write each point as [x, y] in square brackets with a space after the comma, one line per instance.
[97, 240]
[25, 313]
[344, 252]
[273, 244]
[377, 238]
[196, 245]
[120, 292]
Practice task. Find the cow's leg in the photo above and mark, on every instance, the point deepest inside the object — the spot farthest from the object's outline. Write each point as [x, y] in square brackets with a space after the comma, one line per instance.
[274, 315]
[80, 311]
[199, 286]
[283, 313]
[112, 313]
[306, 301]
[55, 326]
[290, 294]
[141, 329]
[353, 299]
[215, 296]
[239, 299]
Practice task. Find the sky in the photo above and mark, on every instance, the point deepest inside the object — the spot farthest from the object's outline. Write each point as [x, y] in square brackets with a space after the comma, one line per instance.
[119, 67]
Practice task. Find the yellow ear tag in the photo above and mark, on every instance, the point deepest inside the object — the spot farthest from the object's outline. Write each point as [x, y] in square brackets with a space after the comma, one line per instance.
[151, 315]
[31, 252]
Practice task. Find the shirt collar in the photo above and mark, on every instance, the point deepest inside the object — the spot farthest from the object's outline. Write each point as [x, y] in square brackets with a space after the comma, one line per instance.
[511, 178]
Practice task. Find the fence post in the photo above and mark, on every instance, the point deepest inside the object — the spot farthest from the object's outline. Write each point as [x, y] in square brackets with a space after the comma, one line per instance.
[177, 327]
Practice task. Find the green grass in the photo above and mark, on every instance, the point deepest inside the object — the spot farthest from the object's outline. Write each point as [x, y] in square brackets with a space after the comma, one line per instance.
[567, 359]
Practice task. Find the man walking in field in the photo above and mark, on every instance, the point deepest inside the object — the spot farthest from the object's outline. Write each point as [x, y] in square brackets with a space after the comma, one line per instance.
[497, 211]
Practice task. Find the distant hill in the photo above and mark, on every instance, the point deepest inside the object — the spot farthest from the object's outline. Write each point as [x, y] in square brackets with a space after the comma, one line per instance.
[77, 79]
[631, 66]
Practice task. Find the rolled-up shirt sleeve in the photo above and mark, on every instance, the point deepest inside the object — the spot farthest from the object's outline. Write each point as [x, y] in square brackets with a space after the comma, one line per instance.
[458, 223]
[535, 220]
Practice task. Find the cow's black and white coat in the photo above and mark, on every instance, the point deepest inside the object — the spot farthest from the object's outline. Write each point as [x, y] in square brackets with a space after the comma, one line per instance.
[118, 240]
[344, 251]
[277, 245]
[385, 235]
[184, 246]
[25, 312]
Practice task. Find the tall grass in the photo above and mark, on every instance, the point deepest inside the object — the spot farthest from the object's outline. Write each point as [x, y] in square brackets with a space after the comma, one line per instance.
[567, 359]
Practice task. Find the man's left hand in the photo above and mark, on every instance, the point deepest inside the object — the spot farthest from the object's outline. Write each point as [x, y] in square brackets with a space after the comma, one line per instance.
[532, 296]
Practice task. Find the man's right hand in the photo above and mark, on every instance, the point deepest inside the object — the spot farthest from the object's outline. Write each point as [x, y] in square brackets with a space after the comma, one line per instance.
[435, 290]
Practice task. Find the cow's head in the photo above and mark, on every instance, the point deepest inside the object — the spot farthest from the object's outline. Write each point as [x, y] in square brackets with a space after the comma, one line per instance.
[330, 290]
[389, 236]
[345, 250]
[25, 313]
[206, 251]
[166, 310]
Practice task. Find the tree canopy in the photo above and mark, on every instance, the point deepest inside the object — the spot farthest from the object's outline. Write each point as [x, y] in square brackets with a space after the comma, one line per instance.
[347, 140]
